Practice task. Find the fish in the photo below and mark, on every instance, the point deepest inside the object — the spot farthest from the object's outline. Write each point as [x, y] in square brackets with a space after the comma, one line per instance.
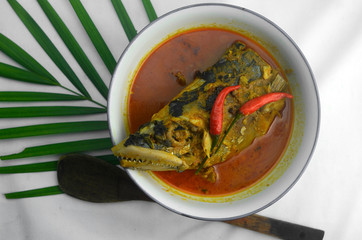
[178, 137]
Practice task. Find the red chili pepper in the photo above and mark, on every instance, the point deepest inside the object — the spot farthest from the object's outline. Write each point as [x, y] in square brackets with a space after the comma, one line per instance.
[251, 106]
[248, 108]
[256, 103]
[216, 117]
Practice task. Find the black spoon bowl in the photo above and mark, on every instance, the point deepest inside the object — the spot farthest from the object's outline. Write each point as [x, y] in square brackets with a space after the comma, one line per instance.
[95, 180]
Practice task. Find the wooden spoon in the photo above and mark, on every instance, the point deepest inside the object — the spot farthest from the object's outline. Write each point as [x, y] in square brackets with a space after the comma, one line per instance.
[95, 180]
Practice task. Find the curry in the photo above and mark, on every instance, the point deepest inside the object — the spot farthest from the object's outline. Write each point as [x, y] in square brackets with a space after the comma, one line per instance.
[176, 88]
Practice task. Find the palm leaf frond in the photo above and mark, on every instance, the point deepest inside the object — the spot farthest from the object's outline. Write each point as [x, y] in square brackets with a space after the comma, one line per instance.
[38, 74]
[109, 158]
[29, 168]
[124, 19]
[53, 128]
[62, 148]
[19, 74]
[46, 166]
[48, 111]
[37, 96]
[74, 47]
[48, 46]
[20, 56]
[94, 35]
[149, 10]
[35, 193]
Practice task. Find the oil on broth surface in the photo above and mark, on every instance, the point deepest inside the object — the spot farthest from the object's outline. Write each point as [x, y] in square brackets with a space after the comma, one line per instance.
[158, 81]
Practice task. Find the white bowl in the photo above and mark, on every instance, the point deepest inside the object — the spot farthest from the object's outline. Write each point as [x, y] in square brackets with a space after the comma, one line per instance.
[306, 107]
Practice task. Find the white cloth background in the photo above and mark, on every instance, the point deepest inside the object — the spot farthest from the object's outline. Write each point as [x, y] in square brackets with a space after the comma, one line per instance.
[328, 196]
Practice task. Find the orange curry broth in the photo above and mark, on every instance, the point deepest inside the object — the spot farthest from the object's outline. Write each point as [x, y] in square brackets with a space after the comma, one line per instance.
[155, 85]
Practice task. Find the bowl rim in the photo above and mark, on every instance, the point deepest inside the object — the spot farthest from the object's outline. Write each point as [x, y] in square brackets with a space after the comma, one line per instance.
[307, 65]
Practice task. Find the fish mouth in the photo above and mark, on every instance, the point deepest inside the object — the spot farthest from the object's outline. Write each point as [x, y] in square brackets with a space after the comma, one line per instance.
[140, 158]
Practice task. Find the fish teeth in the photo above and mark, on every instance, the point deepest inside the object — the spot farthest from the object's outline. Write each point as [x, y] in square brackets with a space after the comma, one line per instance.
[148, 159]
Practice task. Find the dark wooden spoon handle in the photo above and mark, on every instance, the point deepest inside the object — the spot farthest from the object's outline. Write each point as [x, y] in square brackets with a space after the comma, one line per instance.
[95, 180]
[278, 228]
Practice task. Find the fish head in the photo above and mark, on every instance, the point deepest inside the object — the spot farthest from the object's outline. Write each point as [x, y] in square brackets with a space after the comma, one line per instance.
[176, 144]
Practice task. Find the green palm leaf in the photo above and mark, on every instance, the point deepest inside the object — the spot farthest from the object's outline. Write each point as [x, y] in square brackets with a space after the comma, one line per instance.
[47, 111]
[124, 19]
[32, 167]
[48, 46]
[37, 96]
[23, 58]
[94, 35]
[109, 158]
[74, 47]
[19, 74]
[149, 10]
[47, 166]
[35, 193]
[53, 128]
[62, 148]
[38, 74]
